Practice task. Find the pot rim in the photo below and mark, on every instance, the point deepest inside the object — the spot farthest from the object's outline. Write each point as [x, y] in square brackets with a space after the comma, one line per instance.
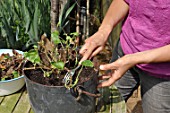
[2, 51]
[40, 83]
[5, 81]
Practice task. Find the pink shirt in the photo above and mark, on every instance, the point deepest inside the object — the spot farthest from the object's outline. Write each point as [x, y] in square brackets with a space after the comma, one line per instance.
[147, 27]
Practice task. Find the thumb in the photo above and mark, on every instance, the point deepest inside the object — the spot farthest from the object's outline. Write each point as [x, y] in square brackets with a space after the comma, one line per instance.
[107, 67]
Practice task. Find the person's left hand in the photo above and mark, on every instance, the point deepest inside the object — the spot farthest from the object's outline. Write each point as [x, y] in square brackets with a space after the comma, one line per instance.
[118, 69]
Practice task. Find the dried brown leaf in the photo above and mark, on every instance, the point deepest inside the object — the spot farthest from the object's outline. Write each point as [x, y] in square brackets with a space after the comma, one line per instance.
[47, 44]
[44, 59]
[2, 66]
[10, 70]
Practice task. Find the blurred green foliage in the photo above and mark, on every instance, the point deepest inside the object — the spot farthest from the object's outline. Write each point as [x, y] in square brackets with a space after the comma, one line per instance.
[22, 22]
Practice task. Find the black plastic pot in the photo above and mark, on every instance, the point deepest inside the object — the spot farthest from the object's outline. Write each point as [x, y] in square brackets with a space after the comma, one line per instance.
[58, 99]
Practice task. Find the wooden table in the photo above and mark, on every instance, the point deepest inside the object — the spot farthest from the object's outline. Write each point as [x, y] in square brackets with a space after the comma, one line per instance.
[116, 103]
[15, 103]
[19, 102]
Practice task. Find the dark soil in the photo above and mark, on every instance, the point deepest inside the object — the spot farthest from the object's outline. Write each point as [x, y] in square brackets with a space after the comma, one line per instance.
[57, 80]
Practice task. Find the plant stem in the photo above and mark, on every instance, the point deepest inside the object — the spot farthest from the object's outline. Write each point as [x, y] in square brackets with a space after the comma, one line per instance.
[33, 68]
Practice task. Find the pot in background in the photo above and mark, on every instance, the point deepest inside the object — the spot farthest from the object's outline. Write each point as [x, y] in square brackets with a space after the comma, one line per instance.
[11, 86]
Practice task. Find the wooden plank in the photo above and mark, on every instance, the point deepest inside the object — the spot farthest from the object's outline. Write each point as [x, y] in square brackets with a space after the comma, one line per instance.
[9, 102]
[116, 105]
[31, 111]
[23, 105]
[1, 99]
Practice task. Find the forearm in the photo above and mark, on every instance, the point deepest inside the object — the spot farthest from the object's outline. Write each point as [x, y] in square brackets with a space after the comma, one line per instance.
[158, 55]
[116, 12]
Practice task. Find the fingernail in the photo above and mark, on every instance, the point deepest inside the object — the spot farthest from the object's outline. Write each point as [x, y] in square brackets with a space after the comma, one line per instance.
[101, 67]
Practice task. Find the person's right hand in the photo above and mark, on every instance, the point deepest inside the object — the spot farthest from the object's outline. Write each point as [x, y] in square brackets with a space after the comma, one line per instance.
[93, 45]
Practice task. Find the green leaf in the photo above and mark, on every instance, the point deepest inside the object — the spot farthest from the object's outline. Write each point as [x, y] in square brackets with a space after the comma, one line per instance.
[32, 56]
[87, 63]
[16, 74]
[74, 34]
[6, 56]
[27, 15]
[55, 37]
[59, 65]
[63, 41]
[23, 21]
[3, 79]
[35, 22]
[69, 10]
[69, 39]
[17, 33]
[35, 46]
[64, 25]
[64, 15]
[47, 74]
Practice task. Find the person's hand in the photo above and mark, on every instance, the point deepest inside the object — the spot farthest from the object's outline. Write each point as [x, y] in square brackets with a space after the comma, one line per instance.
[118, 69]
[93, 45]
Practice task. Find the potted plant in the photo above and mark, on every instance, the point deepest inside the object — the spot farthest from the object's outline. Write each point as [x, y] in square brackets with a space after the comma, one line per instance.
[11, 78]
[49, 88]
